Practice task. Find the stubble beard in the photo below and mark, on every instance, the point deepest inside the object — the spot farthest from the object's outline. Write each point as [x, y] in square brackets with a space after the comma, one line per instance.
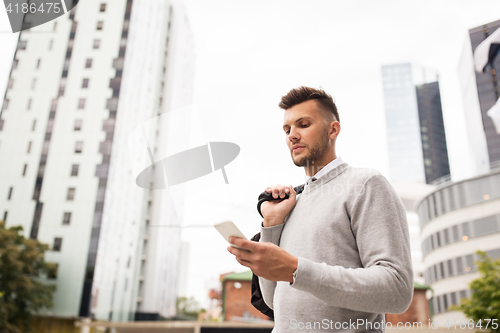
[316, 153]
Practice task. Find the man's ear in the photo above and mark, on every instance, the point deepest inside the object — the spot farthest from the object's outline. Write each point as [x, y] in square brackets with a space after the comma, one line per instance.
[334, 129]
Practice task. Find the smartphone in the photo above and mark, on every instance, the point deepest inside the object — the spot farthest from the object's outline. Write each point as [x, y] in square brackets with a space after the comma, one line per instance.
[227, 229]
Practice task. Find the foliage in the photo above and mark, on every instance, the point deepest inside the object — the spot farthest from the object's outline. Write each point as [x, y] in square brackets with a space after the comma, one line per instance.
[484, 304]
[188, 307]
[22, 294]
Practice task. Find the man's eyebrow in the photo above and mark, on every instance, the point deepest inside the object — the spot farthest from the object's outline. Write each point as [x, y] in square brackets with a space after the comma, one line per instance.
[298, 120]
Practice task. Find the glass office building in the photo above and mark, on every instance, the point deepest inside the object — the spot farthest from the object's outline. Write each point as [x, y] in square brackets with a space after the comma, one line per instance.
[415, 128]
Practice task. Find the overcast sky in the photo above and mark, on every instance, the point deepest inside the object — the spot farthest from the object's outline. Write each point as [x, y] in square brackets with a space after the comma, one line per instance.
[249, 53]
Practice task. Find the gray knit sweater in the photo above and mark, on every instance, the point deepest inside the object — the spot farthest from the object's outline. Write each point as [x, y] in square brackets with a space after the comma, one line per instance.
[350, 233]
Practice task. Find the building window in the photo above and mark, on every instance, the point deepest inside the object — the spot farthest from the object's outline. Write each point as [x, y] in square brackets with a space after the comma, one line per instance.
[81, 103]
[5, 216]
[24, 169]
[33, 83]
[57, 244]
[34, 125]
[99, 25]
[10, 84]
[51, 43]
[5, 104]
[1, 124]
[66, 218]
[85, 83]
[88, 63]
[74, 170]
[103, 8]
[450, 268]
[112, 104]
[55, 26]
[78, 147]
[21, 45]
[459, 265]
[454, 299]
[9, 196]
[38, 62]
[53, 273]
[78, 125]
[29, 146]
[66, 64]
[15, 63]
[53, 105]
[70, 196]
[118, 63]
[28, 107]
[446, 236]
[97, 43]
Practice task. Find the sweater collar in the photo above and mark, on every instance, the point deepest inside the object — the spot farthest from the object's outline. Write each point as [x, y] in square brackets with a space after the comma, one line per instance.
[326, 177]
[332, 165]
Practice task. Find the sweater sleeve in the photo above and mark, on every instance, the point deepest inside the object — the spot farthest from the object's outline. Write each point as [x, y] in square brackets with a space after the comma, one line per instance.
[269, 234]
[385, 282]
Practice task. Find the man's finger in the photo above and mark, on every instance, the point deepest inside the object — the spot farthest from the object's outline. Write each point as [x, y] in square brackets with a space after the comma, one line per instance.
[242, 254]
[275, 193]
[243, 243]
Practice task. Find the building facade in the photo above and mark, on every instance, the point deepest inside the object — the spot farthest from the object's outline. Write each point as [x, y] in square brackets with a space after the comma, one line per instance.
[457, 220]
[475, 143]
[415, 129]
[75, 93]
[236, 295]
[487, 89]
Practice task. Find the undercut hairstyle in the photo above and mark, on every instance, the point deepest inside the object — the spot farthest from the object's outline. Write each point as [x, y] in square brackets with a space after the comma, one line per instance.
[301, 94]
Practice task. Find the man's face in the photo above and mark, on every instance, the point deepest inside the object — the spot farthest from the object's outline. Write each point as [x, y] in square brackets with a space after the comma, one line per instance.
[307, 134]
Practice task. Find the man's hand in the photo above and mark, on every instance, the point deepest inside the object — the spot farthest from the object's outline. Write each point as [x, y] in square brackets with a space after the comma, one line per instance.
[266, 260]
[275, 211]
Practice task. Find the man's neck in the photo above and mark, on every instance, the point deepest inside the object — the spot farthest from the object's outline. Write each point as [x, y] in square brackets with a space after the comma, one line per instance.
[314, 167]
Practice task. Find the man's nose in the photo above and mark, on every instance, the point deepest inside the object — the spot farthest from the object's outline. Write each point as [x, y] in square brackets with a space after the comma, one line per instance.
[293, 135]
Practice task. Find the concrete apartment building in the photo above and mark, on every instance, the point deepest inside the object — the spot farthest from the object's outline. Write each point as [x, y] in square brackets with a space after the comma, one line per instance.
[78, 86]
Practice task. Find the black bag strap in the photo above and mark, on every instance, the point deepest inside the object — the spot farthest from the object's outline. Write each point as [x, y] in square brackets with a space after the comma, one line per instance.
[264, 196]
[257, 299]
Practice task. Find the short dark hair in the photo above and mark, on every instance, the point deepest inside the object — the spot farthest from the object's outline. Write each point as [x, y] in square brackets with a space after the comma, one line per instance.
[302, 94]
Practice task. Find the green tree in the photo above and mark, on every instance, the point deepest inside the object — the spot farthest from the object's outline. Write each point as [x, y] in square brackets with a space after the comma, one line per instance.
[484, 303]
[22, 294]
[188, 307]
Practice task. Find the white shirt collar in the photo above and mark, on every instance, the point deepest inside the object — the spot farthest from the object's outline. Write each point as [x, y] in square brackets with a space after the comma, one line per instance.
[330, 166]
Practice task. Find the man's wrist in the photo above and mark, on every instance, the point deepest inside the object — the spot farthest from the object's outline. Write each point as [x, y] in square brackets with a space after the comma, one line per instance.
[294, 265]
[270, 222]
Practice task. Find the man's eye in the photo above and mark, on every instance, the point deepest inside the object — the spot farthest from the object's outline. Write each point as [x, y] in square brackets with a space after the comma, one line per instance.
[287, 131]
[305, 125]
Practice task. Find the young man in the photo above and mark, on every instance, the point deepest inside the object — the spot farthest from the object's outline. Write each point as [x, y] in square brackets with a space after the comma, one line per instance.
[337, 257]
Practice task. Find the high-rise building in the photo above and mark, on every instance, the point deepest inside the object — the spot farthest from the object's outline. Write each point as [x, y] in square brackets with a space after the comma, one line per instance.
[480, 91]
[415, 128]
[75, 93]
